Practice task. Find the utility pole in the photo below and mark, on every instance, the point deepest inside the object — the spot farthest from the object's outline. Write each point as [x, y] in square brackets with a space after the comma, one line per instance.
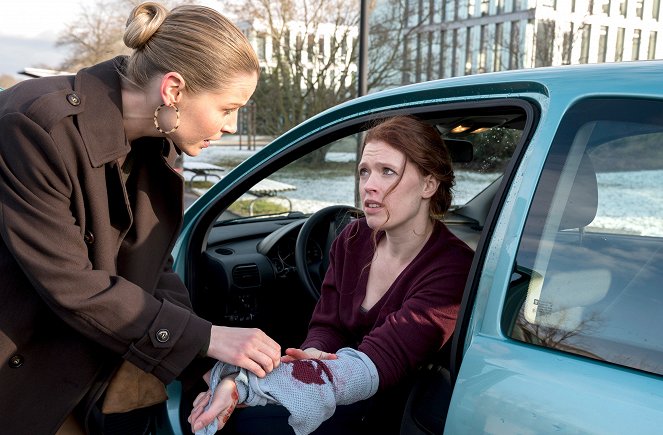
[362, 72]
[363, 49]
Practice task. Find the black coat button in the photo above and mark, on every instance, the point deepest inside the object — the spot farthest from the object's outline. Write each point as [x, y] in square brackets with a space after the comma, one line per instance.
[88, 237]
[163, 335]
[16, 361]
[73, 99]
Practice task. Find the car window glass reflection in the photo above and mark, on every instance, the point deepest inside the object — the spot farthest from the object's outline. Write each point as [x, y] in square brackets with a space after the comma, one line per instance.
[588, 272]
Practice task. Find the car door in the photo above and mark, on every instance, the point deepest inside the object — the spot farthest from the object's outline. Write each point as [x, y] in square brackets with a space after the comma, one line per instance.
[562, 324]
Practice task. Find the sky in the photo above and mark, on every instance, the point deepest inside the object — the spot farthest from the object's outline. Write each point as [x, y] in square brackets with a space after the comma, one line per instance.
[29, 29]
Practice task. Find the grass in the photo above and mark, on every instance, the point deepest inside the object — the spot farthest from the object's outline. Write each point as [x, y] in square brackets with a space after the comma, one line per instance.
[202, 184]
[261, 206]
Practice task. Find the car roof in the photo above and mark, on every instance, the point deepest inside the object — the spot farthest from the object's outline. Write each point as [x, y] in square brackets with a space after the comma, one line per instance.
[602, 77]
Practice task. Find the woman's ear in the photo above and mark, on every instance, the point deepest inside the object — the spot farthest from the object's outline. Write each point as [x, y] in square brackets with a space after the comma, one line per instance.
[430, 186]
[172, 85]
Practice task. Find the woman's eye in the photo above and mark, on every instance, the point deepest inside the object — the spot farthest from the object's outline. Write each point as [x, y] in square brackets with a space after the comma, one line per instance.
[228, 112]
[388, 171]
[363, 172]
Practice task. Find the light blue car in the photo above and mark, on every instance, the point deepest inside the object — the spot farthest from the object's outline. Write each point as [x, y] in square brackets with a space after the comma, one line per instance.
[559, 191]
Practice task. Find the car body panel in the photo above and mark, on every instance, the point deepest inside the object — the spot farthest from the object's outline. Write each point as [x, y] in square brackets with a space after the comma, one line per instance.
[509, 388]
[502, 385]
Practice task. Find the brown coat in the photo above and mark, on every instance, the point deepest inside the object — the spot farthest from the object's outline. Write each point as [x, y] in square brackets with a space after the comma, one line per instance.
[85, 276]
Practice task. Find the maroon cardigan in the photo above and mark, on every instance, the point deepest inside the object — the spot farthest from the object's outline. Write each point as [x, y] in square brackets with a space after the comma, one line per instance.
[410, 322]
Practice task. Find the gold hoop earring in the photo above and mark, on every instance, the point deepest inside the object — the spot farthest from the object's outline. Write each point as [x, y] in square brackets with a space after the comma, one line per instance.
[156, 120]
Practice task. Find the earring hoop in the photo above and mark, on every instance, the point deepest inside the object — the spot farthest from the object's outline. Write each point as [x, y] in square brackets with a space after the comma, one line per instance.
[156, 119]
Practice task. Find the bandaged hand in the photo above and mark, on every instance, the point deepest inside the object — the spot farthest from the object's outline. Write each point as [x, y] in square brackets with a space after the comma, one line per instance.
[309, 389]
[211, 411]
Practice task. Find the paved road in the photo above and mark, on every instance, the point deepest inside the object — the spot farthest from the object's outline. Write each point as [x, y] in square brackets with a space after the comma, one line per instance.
[189, 198]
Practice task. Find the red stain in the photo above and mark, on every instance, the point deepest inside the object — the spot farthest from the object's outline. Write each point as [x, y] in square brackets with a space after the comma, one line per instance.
[231, 408]
[310, 371]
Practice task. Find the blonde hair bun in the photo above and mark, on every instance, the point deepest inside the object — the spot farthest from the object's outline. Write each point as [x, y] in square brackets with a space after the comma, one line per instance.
[144, 20]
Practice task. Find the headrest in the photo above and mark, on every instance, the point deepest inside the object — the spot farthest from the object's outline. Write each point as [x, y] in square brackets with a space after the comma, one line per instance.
[583, 200]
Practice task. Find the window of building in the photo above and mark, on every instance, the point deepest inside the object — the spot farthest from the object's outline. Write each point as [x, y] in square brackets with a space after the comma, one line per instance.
[623, 6]
[454, 53]
[419, 60]
[499, 46]
[485, 7]
[261, 46]
[635, 54]
[426, 11]
[639, 8]
[468, 50]
[589, 265]
[603, 44]
[515, 51]
[590, 7]
[567, 45]
[499, 6]
[605, 6]
[430, 57]
[545, 33]
[483, 48]
[619, 48]
[443, 51]
[584, 43]
[655, 9]
[310, 47]
[651, 54]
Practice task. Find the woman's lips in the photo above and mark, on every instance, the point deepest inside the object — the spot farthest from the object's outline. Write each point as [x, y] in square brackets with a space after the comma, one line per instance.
[205, 143]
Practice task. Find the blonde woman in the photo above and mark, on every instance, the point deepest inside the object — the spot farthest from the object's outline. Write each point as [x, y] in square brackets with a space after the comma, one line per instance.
[93, 321]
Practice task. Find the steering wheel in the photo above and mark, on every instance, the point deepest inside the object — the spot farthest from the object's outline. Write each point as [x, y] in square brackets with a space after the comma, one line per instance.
[329, 221]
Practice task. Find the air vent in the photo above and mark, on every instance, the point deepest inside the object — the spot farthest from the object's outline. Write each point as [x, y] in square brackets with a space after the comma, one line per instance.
[246, 275]
[224, 251]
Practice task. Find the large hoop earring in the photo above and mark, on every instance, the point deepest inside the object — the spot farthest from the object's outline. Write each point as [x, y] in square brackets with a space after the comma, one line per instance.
[156, 120]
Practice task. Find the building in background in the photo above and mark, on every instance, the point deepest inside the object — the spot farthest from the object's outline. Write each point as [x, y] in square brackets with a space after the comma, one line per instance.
[322, 50]
[460, 37]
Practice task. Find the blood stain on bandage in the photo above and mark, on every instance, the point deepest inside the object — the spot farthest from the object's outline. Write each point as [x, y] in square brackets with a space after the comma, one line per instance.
[310, 371]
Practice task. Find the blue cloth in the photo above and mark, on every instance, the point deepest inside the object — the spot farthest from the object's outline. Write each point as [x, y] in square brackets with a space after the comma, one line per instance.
[309, 389]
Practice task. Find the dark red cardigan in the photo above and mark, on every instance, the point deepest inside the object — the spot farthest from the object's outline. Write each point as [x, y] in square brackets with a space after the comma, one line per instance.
[412, 320]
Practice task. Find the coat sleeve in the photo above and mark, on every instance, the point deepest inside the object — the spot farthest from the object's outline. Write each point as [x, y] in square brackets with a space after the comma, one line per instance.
[40, 230]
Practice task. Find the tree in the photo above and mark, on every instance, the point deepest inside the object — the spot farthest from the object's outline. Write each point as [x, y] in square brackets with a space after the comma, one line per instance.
[309, 50]
[96, 33]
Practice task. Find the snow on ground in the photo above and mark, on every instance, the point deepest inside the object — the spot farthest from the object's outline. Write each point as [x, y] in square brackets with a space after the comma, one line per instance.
[629, 202]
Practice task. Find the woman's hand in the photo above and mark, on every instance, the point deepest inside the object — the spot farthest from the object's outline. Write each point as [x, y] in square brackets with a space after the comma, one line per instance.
[292, 354]
[248, 348]
[222, 406]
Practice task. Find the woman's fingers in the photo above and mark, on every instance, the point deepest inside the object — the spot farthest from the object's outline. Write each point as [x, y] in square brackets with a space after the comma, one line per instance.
[199, 406]
[249, 348]
[310, 353]
[221, 407]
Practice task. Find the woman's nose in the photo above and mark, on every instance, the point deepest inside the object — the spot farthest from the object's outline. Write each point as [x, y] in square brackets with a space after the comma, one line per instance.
[230, 124]
[369, 183]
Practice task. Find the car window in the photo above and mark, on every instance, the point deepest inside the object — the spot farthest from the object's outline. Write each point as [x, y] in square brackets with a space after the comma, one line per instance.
[589, 267]
[326, 176]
